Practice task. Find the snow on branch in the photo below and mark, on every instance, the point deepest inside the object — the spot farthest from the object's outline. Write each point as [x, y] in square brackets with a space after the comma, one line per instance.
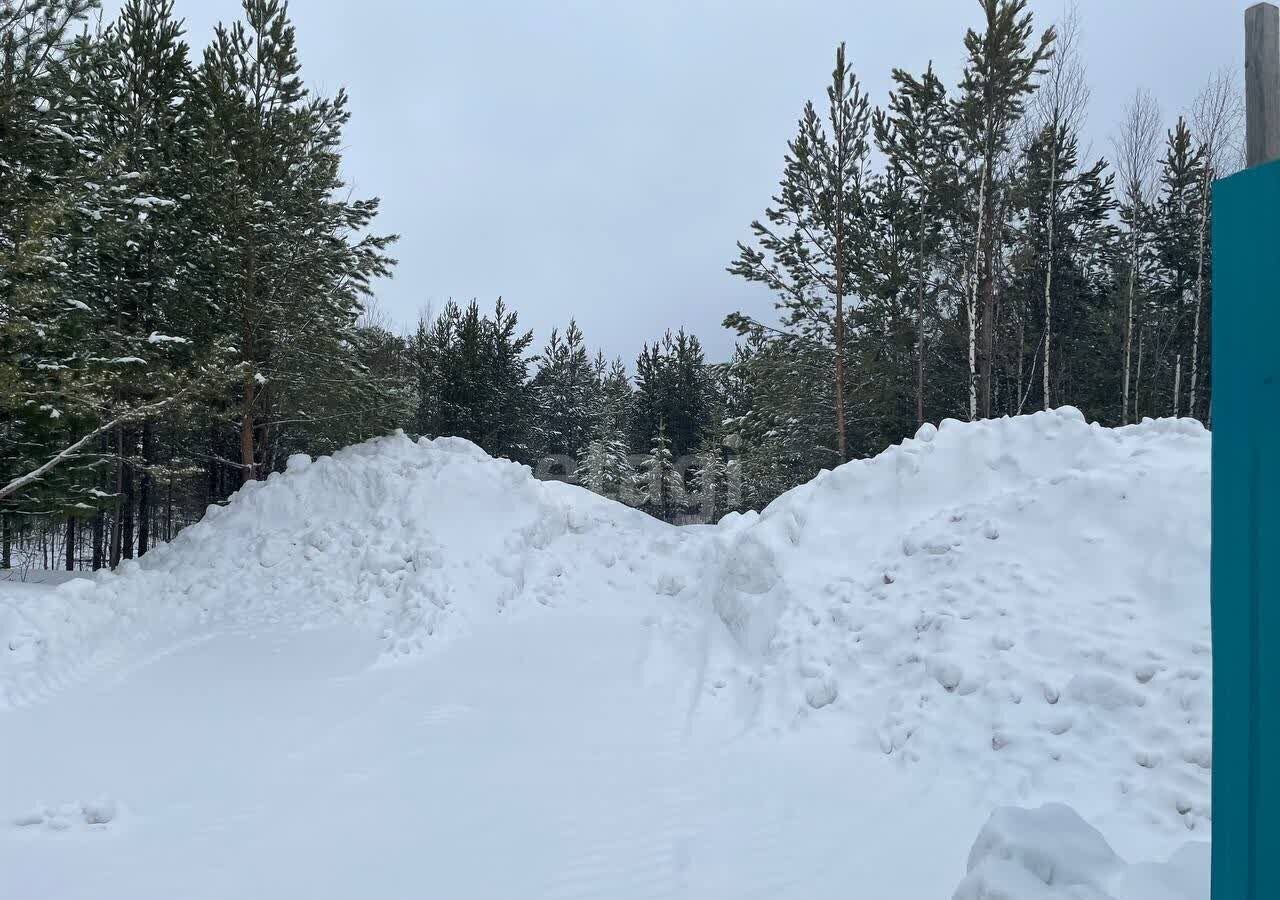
[66, 453]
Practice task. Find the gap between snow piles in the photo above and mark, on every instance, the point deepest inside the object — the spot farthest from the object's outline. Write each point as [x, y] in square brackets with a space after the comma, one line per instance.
[1022, 602]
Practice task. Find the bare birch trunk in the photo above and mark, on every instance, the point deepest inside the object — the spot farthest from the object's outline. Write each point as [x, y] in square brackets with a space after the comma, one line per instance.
[1128, 330]
[972, 304]
[1048, 272]
[1137, 380]
[1195, 336]
[1177, 386]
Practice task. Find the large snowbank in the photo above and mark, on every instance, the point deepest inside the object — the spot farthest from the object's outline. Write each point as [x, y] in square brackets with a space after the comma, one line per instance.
[416, 540]
[1019, 602]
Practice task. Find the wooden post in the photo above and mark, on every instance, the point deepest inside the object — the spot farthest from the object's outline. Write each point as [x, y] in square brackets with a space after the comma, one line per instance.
[1262, 83]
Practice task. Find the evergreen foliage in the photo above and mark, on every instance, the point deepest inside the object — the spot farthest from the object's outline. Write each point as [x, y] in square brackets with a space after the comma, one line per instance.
[186, 282]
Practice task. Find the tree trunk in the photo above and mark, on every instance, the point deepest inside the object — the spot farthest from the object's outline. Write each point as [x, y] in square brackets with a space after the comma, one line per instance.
[1048, 269]
[1177, 387]
[250, 377]
[99, 517]
[988, 333]
[841, 447]
[1205, 187]
[246, 430]
[98, 523]
[71, 543]
[1128, 331]
[116, 517]
[971, 306]
[6, 542]
[127, 500]
[1137, 379]
[920, 287]
[1022, 353]
[840, 378]
[144, 491]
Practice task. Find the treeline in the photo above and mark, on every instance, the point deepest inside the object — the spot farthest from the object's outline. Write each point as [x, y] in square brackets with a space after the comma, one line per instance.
[183, 280]
[960, 253]
[655, 441]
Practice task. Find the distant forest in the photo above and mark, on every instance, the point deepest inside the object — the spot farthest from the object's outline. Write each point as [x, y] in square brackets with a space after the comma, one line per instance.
[186, 284]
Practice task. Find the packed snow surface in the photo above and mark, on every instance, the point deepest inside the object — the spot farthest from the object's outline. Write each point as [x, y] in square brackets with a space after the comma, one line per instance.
[413, 670]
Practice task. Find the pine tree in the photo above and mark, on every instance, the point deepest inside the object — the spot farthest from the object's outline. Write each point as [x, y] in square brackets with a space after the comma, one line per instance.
[47, 396]
[300, 250]
[808, 254]
[1002, 63]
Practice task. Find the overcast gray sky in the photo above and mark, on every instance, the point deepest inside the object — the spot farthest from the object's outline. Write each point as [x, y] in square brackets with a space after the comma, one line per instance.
[600, 159]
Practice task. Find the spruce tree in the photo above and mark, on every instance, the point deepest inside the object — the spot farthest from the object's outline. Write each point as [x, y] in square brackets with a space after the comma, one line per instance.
[566, 385]
[918, 139]
[471, 373]
[1177, 243]
[710, 481]
[605, 467]
[662, 489]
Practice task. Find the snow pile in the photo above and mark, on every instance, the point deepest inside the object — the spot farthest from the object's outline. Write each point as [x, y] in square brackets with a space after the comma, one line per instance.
[415, 540]
[1024, 601]
[1050, 853]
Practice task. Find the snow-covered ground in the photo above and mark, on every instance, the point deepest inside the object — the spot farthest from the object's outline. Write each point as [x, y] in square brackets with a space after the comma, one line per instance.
[410, 670]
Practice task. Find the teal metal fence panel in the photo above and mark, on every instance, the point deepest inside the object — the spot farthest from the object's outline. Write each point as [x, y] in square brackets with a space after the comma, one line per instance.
[1246, 544]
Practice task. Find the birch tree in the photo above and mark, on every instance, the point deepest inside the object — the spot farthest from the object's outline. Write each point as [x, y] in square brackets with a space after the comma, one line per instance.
[1060, 106]
[1136, 149]
[1217, 118]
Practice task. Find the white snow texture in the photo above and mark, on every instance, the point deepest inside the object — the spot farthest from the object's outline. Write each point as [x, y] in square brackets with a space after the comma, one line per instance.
[1017, 607]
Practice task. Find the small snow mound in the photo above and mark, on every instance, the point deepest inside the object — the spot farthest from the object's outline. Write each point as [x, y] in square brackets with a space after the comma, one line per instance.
[1051, 853]
[1051, 844]
[1103, 691]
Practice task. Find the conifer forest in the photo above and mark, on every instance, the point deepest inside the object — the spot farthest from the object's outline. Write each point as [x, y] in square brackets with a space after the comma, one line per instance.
[188, 287]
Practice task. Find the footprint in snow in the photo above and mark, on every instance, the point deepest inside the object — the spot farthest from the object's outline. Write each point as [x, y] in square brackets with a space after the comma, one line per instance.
[91, 815]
